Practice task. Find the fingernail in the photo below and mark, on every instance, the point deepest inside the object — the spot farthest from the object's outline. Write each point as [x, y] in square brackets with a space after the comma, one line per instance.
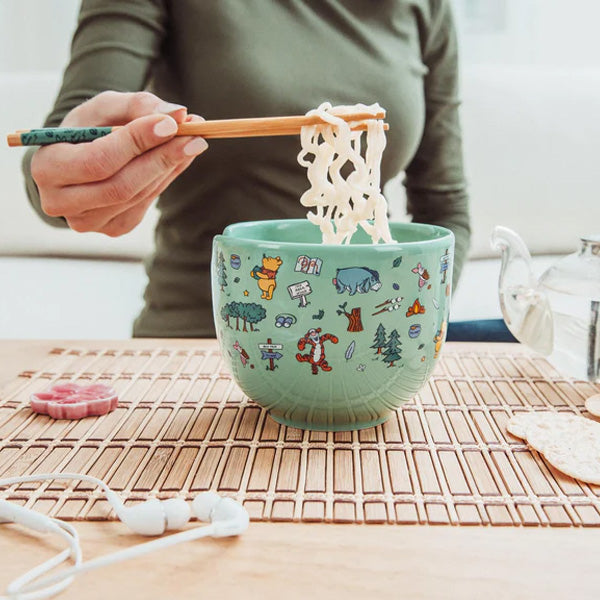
[165, 127]
[196, 146]
[168, 107]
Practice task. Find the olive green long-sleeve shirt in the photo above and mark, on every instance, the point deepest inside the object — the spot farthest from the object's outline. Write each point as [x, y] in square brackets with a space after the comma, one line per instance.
[242, 58]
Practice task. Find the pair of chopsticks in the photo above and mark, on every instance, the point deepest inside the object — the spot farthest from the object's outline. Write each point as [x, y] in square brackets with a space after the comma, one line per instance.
[218, 129]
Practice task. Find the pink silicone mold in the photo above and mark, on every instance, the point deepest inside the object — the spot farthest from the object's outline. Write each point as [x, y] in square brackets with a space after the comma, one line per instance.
[73, 401]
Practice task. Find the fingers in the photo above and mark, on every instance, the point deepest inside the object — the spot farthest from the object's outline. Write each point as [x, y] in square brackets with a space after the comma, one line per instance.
[99, 219]
[116, 108]
[68, 164]
[107, 185]
[119, 218]
[129, 219]
[128, 182]
[120, 224]
[64, 164]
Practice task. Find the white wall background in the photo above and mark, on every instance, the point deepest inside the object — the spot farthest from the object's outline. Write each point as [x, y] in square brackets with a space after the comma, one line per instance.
[35, 34]
[556, 33]
[515, 32]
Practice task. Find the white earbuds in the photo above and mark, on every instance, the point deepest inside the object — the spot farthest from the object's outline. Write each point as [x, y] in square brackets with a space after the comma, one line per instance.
[227, 516]
[204, 503]
[151, 518]
[154, 517]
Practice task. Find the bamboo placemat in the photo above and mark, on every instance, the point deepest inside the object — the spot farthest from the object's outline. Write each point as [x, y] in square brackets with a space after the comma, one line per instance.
[183, 426]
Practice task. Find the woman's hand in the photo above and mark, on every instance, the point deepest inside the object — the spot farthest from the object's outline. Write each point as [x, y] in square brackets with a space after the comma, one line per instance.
[107, 185]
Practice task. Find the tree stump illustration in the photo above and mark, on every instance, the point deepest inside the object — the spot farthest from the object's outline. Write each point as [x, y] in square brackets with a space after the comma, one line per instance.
[354, 319]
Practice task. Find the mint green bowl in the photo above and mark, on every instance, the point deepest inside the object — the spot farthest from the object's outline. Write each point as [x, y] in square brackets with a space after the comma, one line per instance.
[330, 337]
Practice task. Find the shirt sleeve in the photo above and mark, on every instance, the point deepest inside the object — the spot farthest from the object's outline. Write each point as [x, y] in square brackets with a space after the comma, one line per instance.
[114, 47]
[435, 183]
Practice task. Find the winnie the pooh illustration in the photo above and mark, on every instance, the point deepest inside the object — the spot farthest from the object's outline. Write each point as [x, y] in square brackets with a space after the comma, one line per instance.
[266, 275]
[439, 339]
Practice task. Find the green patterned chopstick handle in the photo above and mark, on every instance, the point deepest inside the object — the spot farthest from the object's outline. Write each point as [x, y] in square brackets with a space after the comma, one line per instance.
[73, 135]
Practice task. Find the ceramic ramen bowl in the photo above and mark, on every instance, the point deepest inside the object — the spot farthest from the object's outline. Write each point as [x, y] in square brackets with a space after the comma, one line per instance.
[330, 337]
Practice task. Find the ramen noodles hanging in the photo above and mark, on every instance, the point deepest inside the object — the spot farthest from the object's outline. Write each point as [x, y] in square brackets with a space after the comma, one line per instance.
[343, 202]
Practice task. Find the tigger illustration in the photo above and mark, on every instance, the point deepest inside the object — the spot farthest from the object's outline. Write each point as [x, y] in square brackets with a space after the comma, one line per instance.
[316, 358]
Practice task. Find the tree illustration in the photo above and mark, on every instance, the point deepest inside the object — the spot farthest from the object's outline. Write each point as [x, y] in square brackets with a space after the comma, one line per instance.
[235, 313]
[379, 341]
[242, 313]
[249, 313]
[254, 314]
[231, 311]
[354, 321]
[221, 271]
[225, 315]
[392, 351]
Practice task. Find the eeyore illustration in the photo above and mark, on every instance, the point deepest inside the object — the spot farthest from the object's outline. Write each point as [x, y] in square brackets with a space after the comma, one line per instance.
[356, 279]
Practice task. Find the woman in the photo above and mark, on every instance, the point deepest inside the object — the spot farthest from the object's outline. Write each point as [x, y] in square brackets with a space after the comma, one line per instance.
[233, 59]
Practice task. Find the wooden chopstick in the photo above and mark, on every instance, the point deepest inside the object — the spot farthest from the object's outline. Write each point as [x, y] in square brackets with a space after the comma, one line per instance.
[217, 129]
[263, 126]
[209, 134]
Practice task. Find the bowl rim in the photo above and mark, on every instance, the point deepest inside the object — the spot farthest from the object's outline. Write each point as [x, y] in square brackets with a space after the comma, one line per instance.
[446, 237]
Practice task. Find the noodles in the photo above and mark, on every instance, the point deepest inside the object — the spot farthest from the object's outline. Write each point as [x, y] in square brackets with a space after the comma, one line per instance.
[343, 203]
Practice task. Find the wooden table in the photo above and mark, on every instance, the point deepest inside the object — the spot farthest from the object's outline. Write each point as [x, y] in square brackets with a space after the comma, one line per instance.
[296, 560]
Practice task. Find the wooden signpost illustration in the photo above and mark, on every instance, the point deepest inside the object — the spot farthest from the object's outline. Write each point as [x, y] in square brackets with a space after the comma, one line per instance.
[300, 290]
[269, 352]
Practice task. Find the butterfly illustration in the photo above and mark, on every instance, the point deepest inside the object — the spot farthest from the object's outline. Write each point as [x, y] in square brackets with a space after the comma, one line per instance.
[423, 274]
[415, 309]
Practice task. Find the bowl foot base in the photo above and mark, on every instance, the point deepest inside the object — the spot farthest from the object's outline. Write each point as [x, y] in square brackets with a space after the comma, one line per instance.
[328, 426]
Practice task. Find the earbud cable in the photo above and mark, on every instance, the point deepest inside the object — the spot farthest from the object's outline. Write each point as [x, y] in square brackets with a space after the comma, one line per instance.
[120, 556]
[15, 588]
[26, 588]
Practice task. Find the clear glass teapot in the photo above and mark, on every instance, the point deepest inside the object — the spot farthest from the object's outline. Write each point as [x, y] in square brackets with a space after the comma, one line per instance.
[558, 315]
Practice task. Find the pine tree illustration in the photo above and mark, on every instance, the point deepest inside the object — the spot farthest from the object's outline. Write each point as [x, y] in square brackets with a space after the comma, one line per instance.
[221, 271]
[379, 340]
[392, 351]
